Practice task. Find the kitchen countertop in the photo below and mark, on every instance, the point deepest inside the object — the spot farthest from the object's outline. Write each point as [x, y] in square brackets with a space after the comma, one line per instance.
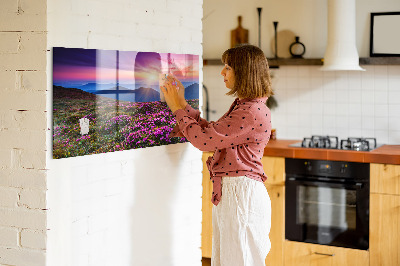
[389, 154]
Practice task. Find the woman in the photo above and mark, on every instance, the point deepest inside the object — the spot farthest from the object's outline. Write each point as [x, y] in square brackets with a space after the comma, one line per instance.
[242, 208]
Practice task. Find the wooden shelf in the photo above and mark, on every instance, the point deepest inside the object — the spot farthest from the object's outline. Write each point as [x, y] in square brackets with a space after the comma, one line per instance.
[380, 61]
[274, 63]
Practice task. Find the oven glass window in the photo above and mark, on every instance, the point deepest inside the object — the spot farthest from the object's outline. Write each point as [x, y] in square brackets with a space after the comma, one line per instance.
[327, 207]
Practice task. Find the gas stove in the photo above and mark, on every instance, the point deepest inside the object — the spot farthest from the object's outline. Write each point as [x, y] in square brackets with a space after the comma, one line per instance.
[332, 142]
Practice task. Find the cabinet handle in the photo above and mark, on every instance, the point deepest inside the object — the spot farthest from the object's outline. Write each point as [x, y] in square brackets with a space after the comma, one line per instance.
[325, 254]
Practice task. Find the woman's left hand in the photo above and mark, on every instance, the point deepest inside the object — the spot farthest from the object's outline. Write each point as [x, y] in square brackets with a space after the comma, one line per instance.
[171, 94]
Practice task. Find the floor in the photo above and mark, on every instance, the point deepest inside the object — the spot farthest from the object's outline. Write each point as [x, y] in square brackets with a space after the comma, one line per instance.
[206, 261]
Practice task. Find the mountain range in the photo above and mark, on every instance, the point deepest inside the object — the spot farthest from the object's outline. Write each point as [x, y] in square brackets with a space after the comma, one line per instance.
[125, 92]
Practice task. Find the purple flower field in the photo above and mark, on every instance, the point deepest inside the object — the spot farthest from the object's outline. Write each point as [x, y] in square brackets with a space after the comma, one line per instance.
[113, 125]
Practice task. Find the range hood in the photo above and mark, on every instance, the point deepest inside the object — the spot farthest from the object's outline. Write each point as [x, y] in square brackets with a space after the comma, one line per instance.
[341, 51]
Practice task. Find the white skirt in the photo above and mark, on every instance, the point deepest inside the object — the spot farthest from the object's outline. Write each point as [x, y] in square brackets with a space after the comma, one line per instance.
[241, 223]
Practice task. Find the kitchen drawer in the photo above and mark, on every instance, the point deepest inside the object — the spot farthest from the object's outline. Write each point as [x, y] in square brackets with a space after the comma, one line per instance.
[305, 254]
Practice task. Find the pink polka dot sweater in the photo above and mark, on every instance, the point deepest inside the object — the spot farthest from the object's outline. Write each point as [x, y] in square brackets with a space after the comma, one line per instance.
[238, 139]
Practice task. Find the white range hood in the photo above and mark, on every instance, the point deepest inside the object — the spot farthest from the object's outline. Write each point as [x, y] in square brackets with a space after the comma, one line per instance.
[341, 51]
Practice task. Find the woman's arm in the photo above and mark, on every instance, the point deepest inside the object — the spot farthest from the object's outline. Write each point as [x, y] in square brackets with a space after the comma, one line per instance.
[239, 127]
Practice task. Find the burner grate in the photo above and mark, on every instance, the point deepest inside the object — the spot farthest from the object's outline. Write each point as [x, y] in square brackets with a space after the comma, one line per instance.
[327, 142]
[358, 144]
[332, 142]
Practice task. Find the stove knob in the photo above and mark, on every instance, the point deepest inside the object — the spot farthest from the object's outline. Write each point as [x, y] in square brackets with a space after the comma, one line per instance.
[308, 166]
[343, 168]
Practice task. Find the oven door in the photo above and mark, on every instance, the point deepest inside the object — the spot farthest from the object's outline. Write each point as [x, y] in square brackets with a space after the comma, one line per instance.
[327, 213]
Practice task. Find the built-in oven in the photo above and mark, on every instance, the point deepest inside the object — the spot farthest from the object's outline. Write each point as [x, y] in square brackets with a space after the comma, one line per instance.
[327, 202]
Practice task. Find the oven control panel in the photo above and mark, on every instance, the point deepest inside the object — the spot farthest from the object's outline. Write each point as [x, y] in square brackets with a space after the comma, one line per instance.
[338, 169]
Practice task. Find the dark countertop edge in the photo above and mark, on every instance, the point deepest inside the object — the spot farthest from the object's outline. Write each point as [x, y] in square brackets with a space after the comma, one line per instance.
[386, 154]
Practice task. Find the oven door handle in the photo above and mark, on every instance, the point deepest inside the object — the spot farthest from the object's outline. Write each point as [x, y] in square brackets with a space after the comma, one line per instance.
[357, 185]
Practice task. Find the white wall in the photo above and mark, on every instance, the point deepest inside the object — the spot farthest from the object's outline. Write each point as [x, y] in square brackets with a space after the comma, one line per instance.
[135, 207]
[311, 102]
[22, 133]
[304, 18]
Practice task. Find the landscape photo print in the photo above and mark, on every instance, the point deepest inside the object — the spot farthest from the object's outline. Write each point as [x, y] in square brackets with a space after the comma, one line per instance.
[110, 100]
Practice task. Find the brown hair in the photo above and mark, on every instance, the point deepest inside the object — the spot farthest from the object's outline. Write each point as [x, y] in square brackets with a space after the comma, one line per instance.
[250, 66]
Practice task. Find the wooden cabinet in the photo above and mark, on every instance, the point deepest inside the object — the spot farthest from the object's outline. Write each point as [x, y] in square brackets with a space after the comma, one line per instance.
[274, 168]
[206, 226]
[385, 178]
[384, 222]
[385, 215]
[305, 254]
[277, 233]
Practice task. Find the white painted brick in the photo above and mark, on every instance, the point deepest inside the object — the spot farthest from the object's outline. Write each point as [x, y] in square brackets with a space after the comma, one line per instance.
[23, 218]
[23, 22]
[8, 237]
[5, 158]
[196, 10]
[31, 80]
[7, 80]
[33, 199]
[114, 186]
[23, 139]
[179, 7]
[179, 34]
[23, 61]
[109, 41]
[197, 166]
[152, 32]
[33, 7]
[197, 38]
[15, 158]
[80, 39]
[9, 42]
[150, 7]
[8, 197]
[167, 19]
[98, 222]
[23, 100]
[8, 6]
[191, 22]
[17, 256]
[79, 228]
[33, 159]
[13, 119]
[132, 43]
[33, 239]
[23, 178]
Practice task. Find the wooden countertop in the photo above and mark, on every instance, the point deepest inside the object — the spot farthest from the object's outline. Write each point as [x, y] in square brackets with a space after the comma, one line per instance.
[389, 154]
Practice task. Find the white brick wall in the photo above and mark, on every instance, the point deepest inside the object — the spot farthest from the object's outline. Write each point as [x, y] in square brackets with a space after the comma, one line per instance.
[135, 207]
[100, 206]
[23, 132]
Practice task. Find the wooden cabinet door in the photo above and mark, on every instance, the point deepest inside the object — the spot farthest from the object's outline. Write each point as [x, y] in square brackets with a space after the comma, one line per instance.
[305, 254]
[206, 226]
[274, 168]
[384, 236]
[385, 178]
[277, 233]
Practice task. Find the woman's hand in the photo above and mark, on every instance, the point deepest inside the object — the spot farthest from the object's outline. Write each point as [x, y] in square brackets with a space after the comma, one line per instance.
[174, 93]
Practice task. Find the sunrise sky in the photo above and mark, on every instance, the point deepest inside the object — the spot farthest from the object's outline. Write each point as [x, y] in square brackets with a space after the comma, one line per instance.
[76, 67]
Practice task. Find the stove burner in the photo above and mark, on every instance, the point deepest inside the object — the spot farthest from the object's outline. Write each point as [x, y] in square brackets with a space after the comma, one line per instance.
[328, 142]
[358, 144]
[332, 142]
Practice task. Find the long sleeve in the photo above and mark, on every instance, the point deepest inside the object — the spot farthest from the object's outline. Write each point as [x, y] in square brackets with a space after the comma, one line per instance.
[193, 113]
[231, 130]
